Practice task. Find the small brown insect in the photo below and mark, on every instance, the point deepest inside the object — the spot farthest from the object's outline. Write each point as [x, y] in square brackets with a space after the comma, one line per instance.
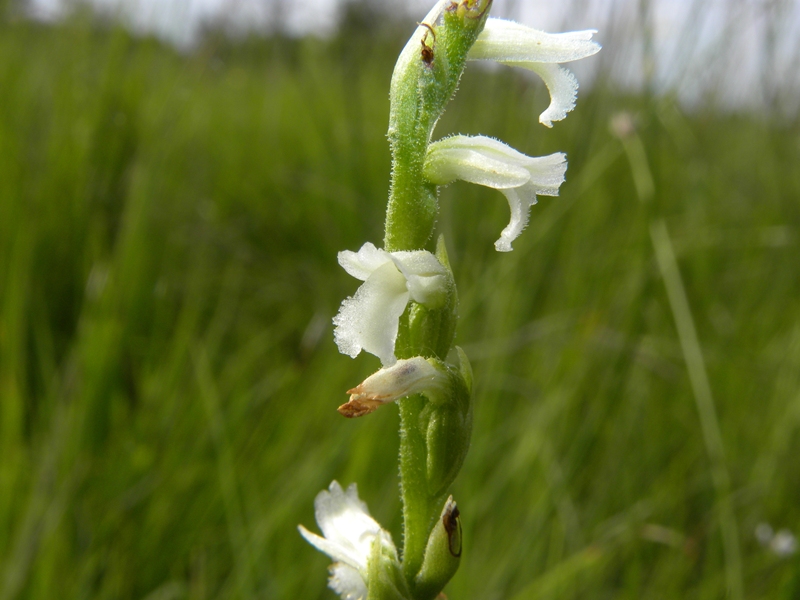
[427, 51]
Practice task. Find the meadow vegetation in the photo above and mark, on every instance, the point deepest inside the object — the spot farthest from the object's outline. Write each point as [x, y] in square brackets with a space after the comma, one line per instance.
[169, 225]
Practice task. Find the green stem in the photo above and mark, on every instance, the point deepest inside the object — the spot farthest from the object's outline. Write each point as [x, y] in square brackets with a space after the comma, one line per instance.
[424, 80]
[417, 511]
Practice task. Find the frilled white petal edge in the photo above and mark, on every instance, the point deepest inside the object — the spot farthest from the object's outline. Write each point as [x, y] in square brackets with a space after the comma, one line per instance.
[507, 41]
[562, 86]
[345, 522]
[489, 162]
[369, 320]
[346, 581]
[520, 46]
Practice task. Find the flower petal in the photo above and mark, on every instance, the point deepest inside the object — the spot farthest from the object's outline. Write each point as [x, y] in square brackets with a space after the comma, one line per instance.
[561, 84]
[338, 552]
[345, 522]
[347, 582]
[520, 204]
[446, 163]
[361, 264]
[369, 320]
[489, 162]
[426, 277]
[507, 41]
[547, 173]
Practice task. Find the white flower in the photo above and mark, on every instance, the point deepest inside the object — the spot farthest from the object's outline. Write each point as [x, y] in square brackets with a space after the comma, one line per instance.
[350, 533]
[413, 376]
[520, 46]
[369, 320]
[486, 161]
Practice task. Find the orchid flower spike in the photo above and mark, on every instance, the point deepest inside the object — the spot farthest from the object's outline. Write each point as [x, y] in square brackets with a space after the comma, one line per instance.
[488, 162]
[520, 46]
[350, 534]
[369, 320]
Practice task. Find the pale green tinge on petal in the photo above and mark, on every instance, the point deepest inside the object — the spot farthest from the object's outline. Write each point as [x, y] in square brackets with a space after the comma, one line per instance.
[445, 166]
[369, 320]
[507, 41]
[520, 46]
[489, 162]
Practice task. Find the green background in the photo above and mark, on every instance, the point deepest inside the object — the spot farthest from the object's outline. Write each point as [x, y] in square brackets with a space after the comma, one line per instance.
[169, 225]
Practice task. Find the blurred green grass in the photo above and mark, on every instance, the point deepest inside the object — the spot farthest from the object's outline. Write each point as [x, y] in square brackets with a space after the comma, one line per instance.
[168, 233]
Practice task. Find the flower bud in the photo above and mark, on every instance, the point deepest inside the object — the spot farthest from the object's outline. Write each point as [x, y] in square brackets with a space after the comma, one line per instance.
[442, 554]
[447, 423]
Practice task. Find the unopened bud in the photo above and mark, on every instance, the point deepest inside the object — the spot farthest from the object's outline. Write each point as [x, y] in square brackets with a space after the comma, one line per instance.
[442, 554]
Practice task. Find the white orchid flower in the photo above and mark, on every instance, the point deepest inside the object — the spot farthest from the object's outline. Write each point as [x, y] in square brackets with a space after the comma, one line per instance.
[520, 46]
[349, 535]
[491, 163]
[369, 320]
[404, 378]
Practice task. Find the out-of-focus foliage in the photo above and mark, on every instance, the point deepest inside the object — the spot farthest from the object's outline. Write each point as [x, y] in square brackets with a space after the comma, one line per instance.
[168, 381]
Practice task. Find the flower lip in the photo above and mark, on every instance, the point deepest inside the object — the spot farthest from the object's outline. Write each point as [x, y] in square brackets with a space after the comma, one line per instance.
[491, 163]
[517, 45]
